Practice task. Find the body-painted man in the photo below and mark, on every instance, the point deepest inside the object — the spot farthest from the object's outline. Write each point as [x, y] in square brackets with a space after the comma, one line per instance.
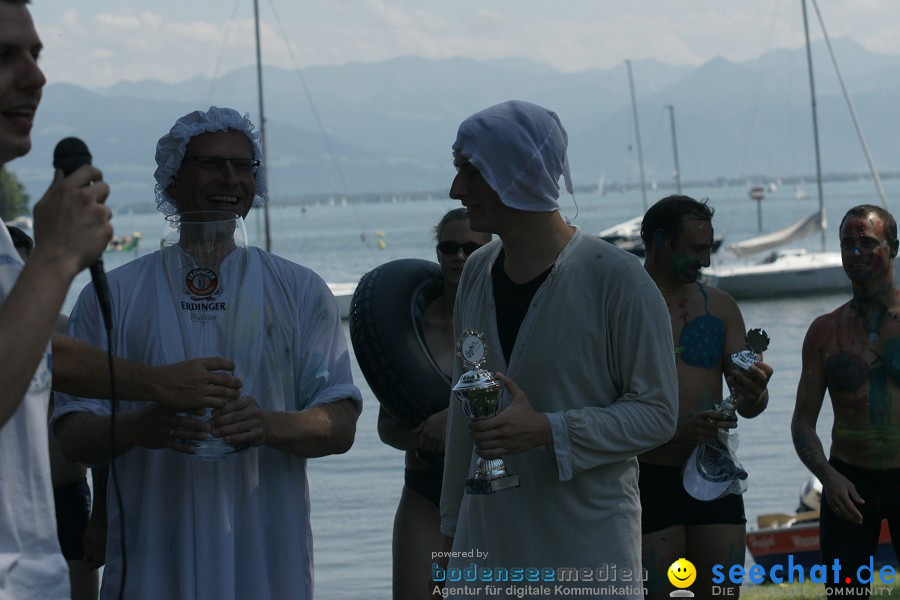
[854, 354]
[707, 327]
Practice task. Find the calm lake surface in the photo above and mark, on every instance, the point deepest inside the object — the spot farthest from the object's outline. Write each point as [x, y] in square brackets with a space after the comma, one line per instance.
[354, 496]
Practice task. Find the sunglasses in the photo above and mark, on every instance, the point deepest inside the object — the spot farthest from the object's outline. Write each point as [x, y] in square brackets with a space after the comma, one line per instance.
[449, 247]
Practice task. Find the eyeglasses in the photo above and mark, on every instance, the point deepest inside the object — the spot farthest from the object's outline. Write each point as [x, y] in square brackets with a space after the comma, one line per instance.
[449, 247]
[216, 164]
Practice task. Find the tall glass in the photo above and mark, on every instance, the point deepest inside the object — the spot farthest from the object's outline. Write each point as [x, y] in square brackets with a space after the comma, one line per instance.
[205, 255]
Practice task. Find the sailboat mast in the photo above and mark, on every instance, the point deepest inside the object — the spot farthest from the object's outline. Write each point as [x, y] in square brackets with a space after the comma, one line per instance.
[812, 93]
[637, 135]
[859, 132]
[262, 117]
[675, 147]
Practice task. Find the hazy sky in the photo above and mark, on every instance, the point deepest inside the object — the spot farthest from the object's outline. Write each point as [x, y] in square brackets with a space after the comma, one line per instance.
[98, 42]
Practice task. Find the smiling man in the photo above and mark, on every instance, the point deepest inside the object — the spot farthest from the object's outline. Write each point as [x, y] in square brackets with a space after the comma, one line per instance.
[238, 527]
[72, 227]
[579, 337]
[853, 353]
[707, 327]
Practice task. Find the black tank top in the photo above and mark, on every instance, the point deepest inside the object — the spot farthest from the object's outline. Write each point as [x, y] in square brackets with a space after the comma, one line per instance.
[512, 301]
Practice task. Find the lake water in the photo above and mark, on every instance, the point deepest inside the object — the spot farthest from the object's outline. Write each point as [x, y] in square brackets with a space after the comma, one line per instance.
[354, 496]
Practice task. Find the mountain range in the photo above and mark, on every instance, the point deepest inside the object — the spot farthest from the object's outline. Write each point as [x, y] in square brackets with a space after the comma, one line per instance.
[386, 127]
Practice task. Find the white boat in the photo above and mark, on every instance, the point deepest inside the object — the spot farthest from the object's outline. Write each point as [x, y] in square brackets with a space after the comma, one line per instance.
[783, 272]
[343, 293]
[790, 272]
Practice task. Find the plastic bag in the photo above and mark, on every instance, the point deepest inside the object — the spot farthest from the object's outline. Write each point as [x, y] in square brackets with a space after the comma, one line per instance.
[713, 470]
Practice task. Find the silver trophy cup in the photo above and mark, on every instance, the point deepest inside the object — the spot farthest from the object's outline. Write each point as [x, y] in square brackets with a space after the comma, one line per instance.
[479, 393]
[757, 343]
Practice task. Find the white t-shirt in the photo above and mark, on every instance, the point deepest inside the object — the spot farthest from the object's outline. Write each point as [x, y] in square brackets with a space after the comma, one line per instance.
[31, 563]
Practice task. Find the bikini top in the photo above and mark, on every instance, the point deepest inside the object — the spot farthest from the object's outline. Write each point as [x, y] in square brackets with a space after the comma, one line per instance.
[702, 339]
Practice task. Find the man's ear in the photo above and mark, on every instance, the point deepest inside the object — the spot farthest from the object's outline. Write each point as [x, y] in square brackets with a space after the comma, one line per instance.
[660, 237]
[894, 246]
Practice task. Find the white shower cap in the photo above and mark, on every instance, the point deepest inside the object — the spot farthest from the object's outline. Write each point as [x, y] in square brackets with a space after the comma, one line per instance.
[520, 150]
[170, 150]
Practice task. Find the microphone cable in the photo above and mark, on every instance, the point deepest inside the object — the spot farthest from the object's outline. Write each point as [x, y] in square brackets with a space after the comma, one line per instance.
[114, 401]
[69, 154]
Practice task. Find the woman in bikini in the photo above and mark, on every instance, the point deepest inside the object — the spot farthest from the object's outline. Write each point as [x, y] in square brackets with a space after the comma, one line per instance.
[417, 522]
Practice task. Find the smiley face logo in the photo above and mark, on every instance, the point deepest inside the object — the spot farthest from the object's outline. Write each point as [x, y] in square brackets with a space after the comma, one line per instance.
[682, 573]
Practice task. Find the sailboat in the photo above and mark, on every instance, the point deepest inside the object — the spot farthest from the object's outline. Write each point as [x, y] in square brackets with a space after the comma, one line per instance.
[790, 272]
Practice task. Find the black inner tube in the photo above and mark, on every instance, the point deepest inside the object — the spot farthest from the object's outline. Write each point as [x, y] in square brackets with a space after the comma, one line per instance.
[386, 333]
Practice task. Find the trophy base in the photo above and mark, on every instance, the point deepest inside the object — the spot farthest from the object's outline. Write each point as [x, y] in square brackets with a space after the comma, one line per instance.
[477, 485]
[216, 449]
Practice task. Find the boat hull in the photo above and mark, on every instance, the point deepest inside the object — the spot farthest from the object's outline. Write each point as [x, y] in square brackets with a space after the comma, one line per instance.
[797, 275]
[787, 273]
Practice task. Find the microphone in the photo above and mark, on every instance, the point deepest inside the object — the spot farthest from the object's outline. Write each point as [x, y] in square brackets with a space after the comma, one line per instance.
[70, 154]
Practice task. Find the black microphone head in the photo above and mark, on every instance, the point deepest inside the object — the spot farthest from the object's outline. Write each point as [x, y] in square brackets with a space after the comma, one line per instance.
[70, 154]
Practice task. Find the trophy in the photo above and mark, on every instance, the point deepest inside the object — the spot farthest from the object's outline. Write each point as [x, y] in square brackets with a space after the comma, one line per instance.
[205, 254]
[757, 343]
[712, 470]
[479, 393]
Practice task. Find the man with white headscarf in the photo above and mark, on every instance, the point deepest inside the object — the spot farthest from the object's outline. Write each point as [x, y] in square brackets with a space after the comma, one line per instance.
[239, 527]
[578, 334]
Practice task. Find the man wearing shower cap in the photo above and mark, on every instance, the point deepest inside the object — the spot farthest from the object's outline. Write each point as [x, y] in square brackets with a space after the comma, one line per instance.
[577, 332]
[237, 527]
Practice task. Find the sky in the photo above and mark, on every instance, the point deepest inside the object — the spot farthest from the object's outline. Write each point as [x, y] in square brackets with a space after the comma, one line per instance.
[95, 43]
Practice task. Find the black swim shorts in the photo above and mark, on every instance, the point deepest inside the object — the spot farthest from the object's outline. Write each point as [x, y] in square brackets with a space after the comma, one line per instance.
[665, 503]
[73, 511]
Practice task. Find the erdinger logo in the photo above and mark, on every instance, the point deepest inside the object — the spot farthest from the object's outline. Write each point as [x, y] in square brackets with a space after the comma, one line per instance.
[201, 283]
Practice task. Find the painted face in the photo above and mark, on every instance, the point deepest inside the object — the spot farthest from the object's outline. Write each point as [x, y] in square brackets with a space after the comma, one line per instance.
[691, 251]
[682, 573]
[456, 233]
[486, 212]
[206, 182]
[21, 80]
[865, 252]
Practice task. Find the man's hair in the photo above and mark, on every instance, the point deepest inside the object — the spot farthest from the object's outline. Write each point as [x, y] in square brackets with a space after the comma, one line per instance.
[863, 210]
[668, 216]
[17, 1]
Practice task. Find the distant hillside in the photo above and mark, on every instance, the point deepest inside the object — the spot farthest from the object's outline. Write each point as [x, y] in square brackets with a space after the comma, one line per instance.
[388, 126]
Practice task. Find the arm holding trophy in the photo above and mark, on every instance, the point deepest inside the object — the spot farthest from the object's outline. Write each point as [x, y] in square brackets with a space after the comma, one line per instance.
[514, 430]
[712, 470]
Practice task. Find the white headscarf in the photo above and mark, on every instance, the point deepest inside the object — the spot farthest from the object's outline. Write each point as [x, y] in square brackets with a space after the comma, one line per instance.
[171, 147]
[520, 150]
